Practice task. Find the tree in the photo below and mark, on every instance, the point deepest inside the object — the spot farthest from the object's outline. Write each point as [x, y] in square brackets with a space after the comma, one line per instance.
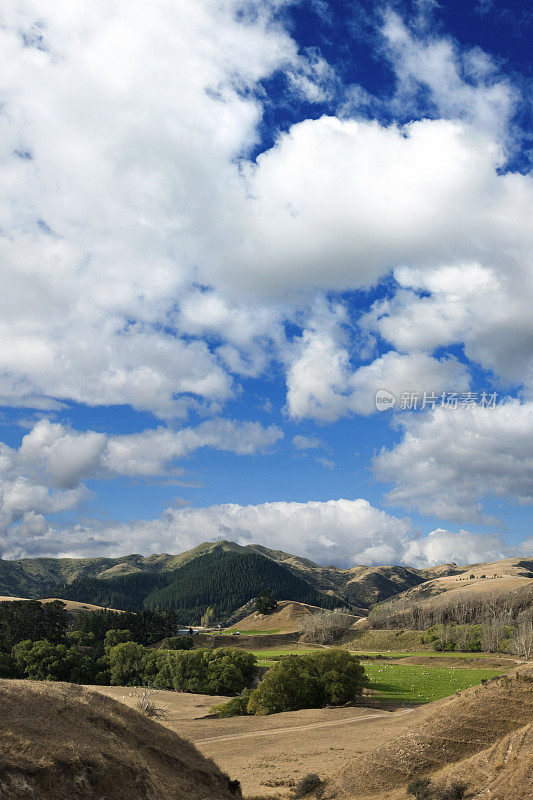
[333, 677]
[208, 617]
[115, 636]
[125, 663]
[44, 661]
[287, 686]
[523, 635]
[265, 602]
[223, 670]
[325, 627]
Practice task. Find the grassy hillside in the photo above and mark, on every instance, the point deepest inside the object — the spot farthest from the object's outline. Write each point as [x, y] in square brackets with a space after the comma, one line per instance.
[287, 618]
[457, 728]
[504, 770]
[479, 593]
[361, 586]
[219, 579]
[60, 741]
[475, 580]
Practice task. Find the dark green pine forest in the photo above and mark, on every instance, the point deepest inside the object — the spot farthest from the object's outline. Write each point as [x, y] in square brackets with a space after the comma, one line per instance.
[223, 581]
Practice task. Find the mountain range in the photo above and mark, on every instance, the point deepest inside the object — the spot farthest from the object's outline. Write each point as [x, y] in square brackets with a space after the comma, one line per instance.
[222, 575]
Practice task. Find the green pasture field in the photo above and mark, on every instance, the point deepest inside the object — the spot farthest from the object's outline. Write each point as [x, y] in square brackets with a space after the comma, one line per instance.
[229, 631]
[421, 684]
[402, 682]
[421, 654]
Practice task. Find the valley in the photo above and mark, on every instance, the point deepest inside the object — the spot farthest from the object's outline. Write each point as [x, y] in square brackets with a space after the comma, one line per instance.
[426, 687]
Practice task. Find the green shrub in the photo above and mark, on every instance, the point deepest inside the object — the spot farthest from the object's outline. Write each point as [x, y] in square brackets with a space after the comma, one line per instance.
[332, 677]
[236, 707]
[419, 788]
[178, 643]
[424, 789]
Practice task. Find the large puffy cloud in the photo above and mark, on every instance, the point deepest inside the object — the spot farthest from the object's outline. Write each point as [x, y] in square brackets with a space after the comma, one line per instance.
[335, 203]
[124, 139]
[462, 547]
[345, 533]
[120, 130]
[448, 459]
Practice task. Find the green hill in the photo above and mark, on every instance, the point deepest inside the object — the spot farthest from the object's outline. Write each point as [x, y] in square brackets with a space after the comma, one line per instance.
[220, 579]
[360, 586]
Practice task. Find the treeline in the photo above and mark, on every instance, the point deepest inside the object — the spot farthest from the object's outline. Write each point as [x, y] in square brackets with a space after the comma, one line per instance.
[21, 620]
[29, 619]
[40, 641]
[222, 670]
[404, 613]
[221, 581]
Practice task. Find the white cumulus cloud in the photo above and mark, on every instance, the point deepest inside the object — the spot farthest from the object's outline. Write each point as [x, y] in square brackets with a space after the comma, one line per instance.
[449, 459]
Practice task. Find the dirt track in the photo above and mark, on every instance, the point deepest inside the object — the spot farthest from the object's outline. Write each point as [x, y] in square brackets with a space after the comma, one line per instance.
[275, 731]
[270, 754]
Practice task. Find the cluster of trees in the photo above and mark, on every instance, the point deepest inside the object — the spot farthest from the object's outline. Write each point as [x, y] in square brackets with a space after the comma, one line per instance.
[215, 584]
[404, 613]
[498, 623]
[265, 602]
[494, 636]
[326, 627]
[332, 677]
[29, 619]
[119, 660]
[222, 670]
[146, 626]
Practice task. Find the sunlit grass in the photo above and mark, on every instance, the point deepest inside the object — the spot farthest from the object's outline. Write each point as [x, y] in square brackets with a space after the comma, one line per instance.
[422, 684]
[402, 682]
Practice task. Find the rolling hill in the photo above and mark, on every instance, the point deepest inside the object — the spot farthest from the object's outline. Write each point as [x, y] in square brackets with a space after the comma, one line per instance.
[70, 605]
[151, 581]
[60, 742]
[360, 586]
[287, 618]
[221, 580]
[496, 587]
[509, 575]
[481, 736]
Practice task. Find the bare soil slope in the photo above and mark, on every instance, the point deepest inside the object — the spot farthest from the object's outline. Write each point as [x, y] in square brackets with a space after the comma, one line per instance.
[62, 742]
[271, 754]
[480, 720]
[286, 619]
[504, 770]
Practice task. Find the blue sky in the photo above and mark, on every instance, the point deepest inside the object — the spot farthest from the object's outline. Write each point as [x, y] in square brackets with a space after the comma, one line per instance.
[225, 228]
